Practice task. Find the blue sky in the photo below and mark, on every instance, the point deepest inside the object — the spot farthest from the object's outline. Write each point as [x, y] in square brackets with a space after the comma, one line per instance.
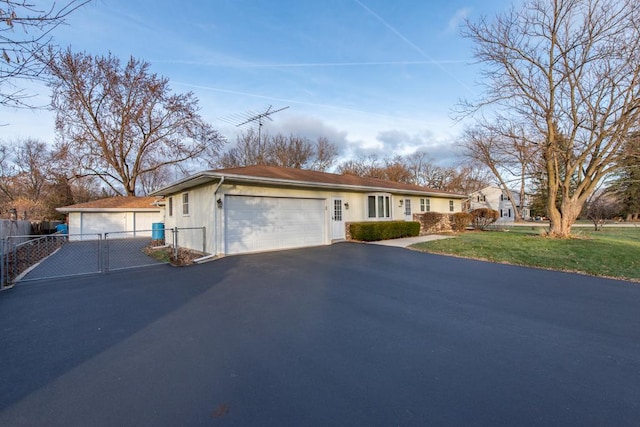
[374, 76]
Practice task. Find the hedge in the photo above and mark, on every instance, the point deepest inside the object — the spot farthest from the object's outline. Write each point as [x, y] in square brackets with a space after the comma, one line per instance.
[383, 230]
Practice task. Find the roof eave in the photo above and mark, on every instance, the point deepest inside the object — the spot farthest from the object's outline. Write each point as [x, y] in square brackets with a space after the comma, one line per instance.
[204, 177]
[95, 209]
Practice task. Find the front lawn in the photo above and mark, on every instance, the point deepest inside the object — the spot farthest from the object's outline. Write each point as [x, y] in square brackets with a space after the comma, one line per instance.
[613, 252]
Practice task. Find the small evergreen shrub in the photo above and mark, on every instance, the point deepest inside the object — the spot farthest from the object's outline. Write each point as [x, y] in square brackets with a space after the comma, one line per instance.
[460, 220]
[483, 217]
[383, 230]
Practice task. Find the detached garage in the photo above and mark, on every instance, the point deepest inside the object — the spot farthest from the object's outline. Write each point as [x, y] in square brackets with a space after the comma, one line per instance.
[263, 208]
[111, 215]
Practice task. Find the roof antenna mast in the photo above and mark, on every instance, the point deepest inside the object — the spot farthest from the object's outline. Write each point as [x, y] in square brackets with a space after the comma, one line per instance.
[252, 117]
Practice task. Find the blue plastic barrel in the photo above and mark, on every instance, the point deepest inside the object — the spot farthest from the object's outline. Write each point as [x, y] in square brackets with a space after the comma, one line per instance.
[157, 231]
[62, 229]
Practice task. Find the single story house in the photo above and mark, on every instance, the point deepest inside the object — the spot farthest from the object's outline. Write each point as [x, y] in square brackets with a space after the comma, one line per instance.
[263, 208]
[135, 215]
[493, 197]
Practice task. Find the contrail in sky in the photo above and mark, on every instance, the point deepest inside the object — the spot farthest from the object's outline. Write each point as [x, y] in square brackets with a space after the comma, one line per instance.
[293, 101]
[312, 64]
[413, 45]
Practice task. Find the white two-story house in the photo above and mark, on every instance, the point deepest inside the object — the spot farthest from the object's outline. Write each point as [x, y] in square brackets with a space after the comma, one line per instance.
[493, 197]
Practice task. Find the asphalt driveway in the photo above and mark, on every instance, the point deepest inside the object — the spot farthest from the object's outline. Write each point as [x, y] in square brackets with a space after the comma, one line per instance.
[348, 334]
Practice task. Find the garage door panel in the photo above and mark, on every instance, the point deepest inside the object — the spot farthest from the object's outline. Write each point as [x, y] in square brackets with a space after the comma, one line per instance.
[101, 222]
[266, 223]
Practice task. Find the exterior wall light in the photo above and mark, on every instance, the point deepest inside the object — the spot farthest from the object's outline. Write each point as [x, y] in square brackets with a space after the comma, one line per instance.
[219, 203]
[346, 205]
[401, 202]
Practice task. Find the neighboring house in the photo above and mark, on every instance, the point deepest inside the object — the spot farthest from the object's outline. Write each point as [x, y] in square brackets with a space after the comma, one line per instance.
[493, 197]
[261, 208]
[113, 214]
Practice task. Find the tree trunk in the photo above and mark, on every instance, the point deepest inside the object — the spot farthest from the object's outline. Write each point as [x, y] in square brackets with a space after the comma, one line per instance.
[563, 219]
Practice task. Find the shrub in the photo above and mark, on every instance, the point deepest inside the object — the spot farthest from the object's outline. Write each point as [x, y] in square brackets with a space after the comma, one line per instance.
[434, 222]
[430, 220]
[483, 217]
[460, 220]
[382, 230]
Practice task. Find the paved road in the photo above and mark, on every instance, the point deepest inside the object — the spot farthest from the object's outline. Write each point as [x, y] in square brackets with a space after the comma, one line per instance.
[349, 334]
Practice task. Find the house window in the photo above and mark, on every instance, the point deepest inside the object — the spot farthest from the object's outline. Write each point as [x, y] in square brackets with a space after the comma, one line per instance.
[451, 207]
[427, 205]
[170, 206]
[421, 205]
[379, 206]
[185, 204]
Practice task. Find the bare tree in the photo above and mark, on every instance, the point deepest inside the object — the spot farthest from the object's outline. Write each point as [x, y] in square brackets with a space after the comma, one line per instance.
[602, 206]
[7, 174]
[33, 160]
[366, 166]
[289, 152]
[278, 150]
[570, 71]
[25, 32]
[247, 151]
[325, 155]
[419, 169]
[121, 122]
[505, 149]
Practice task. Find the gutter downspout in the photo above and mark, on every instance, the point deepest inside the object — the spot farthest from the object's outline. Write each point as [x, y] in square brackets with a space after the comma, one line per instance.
[216, 216]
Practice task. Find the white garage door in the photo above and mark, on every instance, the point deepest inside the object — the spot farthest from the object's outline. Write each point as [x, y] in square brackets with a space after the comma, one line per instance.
[266, 223]
[102, 222]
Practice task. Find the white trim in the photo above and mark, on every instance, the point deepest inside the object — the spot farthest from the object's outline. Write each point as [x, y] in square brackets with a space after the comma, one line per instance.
[67, 210]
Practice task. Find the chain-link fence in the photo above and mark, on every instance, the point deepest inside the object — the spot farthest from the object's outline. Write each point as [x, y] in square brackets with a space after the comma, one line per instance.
[74, 254]
[189, 238]
[61, 255]
[128, 249]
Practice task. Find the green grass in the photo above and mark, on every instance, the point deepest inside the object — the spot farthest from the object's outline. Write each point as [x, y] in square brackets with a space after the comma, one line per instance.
[613, 252]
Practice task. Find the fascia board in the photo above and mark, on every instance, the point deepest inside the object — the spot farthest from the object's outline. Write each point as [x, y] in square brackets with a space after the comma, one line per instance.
[67, 210]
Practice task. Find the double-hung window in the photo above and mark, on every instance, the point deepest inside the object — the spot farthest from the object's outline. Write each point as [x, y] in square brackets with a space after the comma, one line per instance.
[451, 206]
[170, 206]
[379, 206]
[185, 203]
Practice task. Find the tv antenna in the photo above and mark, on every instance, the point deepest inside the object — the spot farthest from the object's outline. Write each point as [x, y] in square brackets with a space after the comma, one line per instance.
[253, 117]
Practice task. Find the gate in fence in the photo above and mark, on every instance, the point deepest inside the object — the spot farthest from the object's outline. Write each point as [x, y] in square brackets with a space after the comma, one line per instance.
[63, 255]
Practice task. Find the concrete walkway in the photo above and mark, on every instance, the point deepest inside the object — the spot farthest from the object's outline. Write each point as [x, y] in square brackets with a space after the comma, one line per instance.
[408, 241]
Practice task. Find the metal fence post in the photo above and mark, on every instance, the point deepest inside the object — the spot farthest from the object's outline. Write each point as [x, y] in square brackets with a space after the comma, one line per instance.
[204, 239]
[2, 262]
[105, 252]
[175, 242]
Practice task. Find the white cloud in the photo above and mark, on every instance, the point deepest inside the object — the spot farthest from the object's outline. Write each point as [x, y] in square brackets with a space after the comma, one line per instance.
[457, 19]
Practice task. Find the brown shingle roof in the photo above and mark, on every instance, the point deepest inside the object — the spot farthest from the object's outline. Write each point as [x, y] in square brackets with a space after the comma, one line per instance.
[274, 172]
[118, 202]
